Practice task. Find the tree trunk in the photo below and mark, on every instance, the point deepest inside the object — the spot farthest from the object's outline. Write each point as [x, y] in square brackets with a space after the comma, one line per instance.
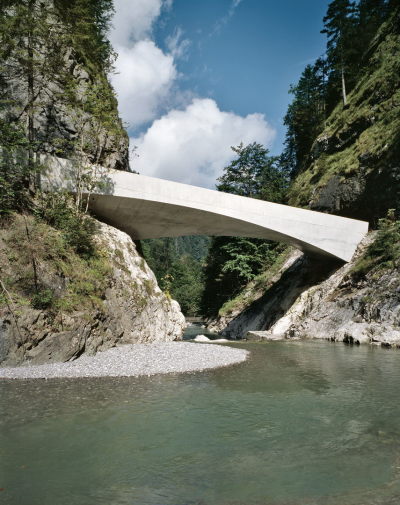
[31, 97]
[344, 88]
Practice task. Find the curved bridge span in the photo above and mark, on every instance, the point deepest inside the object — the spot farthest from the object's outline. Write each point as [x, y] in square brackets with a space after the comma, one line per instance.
[146, 207]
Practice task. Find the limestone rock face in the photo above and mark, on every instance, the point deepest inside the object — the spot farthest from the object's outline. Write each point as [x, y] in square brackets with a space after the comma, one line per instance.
[270, 304]
[134, 310]
[330, 305]
[341, 309]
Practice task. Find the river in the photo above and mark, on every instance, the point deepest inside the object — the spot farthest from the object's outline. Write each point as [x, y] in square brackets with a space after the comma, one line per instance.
[299, 423]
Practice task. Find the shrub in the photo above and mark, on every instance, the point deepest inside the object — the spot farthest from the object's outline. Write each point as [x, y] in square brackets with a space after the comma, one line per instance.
[384, 251]
[58, 210]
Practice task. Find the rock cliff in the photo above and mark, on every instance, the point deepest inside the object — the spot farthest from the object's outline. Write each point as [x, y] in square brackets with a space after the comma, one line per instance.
[68, 284]
[344, 306]
[54, 82]
[127, 306]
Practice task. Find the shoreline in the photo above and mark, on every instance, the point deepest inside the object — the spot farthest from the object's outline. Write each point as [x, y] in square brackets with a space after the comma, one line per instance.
[135, 360]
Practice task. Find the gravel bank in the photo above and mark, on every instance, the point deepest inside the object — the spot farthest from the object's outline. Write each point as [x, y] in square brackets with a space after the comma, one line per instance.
[135, 360]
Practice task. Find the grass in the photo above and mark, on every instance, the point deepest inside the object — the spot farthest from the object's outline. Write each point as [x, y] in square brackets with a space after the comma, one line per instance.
[383, 253]
[39, 267]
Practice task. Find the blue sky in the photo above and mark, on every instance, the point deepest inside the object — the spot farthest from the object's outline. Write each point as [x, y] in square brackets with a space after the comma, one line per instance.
[248, 60]
[197, 76]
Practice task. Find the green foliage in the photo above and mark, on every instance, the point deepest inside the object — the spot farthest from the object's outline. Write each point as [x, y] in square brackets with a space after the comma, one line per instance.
[254, 173]
[88, 22]
[14, 170]
[384, 252]
[43, 299]
[234, 261]
[258, 285]
[305, 115]
[187, 283]
[351, 28]
[79, 229]
[54, 51]
[231, 264]
[40, 268]
[363, 138]
[177, 264]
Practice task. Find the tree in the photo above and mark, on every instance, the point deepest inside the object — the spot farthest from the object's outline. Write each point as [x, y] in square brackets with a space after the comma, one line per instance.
[234, 261]
[306, 114]
[88, 22]
[339, 26]
[45, 48]
[30, 53]
[178, 266]
[187, 284]
[14, 194]
[370, 14]
[254, 173]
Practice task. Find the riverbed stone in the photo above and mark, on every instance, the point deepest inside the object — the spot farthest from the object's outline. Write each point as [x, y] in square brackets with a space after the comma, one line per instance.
[258, 336]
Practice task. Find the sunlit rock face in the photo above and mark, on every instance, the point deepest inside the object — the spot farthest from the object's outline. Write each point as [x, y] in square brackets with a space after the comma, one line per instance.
[133, 310]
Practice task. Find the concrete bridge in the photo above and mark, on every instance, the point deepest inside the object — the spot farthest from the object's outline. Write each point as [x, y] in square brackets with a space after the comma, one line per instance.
[147, 207]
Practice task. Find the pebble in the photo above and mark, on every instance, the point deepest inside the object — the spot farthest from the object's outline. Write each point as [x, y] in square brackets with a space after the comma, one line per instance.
[135, 360]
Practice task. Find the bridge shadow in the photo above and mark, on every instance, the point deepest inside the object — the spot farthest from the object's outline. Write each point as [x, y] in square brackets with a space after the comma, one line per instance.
[263, 313]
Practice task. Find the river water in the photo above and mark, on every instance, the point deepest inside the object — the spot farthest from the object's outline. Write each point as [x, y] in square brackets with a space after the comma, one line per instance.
[300, 423]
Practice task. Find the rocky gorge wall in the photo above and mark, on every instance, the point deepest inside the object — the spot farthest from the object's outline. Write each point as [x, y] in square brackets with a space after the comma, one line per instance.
[307, 299]
[56, 302]
[130, 307]
[55, 81]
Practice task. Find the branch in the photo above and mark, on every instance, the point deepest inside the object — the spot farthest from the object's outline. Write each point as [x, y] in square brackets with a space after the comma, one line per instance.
[9, 302]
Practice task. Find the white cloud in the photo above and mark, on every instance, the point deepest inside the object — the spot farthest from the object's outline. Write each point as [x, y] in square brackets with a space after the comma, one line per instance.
[143, 81]
[133, 20]
[193, 145]
[144, 74]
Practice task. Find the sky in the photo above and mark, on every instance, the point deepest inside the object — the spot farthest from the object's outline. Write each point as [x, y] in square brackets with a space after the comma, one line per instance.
[195, 77]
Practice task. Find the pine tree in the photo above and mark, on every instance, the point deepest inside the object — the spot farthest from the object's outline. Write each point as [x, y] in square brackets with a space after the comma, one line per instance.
[339, 26]
[306, 115]
[253, 173]
[370, 15]
[42, 43]
[29, 54]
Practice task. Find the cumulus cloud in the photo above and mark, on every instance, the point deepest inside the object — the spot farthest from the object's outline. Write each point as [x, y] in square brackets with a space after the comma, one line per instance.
[144, 74]
[190, 143]
[143, 82]
[133, 20]
[193, 145]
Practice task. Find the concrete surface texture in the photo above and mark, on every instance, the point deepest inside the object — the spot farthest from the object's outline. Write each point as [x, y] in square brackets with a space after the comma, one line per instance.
[146, 207]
